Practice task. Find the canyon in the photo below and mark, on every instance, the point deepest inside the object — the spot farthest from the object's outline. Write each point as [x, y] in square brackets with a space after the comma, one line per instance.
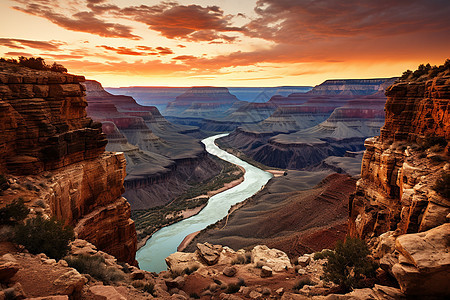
[161, 157]
[62, 163]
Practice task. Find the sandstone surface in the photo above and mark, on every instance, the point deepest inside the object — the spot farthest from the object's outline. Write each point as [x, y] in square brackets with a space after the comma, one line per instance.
[52, 152]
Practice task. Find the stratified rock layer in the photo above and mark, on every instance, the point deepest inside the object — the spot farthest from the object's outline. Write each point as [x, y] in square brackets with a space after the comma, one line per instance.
[396, 192]
[46, 135]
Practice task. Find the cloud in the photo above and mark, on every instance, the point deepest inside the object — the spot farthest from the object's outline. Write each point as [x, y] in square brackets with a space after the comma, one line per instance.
[82, 21]
[140, 68]
[188, 22]
[21, 44]
[184, 57]
[11, 54]
[299, 21]
[164, 50]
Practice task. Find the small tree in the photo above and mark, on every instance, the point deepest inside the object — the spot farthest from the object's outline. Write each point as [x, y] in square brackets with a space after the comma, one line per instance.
[13, 213]
[349, 264]
[48, 236]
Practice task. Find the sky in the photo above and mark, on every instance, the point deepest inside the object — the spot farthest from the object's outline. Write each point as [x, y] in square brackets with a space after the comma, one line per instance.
[227, 42]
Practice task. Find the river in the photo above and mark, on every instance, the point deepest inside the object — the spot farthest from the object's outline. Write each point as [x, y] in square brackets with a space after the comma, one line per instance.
[164, 242]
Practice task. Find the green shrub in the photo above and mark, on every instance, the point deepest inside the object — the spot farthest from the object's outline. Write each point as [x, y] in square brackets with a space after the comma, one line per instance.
[242, 259]
[13, 213]
[301, 283]
[323, 254]
[442, 185]
[349, 264]
[149, 288]
[4, 185]
[233, 288]
[49, 236]
[95, 266]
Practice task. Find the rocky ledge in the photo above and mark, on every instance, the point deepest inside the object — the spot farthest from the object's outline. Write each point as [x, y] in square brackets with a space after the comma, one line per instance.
[398, 204]
[53, 157]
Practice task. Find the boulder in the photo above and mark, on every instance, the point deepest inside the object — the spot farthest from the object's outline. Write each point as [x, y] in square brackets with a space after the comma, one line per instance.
[137, 274]
[275, 259]
[209, 253]
[70, 282]
[304, 260]
[424, 262]
[177, 283]
[8, 270]
[266, 272]
[229, 271]
[105, 292]
[182, 260]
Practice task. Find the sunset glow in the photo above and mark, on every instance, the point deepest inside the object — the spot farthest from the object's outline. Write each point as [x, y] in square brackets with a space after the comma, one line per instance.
[227, 42]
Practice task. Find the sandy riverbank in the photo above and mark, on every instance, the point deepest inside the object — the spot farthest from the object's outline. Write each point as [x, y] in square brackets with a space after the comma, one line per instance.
[193, 211]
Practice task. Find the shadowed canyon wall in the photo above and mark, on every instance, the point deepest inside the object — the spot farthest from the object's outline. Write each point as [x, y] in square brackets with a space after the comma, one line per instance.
[54, 158]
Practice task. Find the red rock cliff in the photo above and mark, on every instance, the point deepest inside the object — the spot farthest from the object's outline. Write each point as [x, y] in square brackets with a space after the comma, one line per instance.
[396, 205]
[54, 157]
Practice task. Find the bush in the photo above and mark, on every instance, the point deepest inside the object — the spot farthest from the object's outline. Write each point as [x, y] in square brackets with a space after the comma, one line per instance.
[301, 283]
[49, 236]
[149, 288]
[4, 185]
[442, 185]
[349, 264]
[323, 254]
[13, 213]
[233, 288]
[95, 266]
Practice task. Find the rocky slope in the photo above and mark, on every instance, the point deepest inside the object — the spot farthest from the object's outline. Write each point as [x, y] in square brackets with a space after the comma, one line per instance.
[352, 86]
[397, 203]
[53, 156]
[162, 161]
[202, 102]
[287, 214]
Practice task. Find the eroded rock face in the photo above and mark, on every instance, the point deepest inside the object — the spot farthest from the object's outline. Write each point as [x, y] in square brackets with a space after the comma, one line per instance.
[395, 191]
[46, 134]
[396, 202]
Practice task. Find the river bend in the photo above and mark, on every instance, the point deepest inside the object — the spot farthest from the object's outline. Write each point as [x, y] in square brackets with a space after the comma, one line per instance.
[165, 241]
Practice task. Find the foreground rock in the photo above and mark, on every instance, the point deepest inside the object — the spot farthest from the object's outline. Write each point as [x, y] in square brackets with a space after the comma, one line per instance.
[424, 262]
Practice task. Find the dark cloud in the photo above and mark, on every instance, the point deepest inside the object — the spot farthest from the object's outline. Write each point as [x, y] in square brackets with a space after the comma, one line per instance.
[188, 22]
[83, 21]
[123, 50]
[139, 51]
[164, 50]
[185, 57]
[11, 54]
[21, 44]
[298, 21]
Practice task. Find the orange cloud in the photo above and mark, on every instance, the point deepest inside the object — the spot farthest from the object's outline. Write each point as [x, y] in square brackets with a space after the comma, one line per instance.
[21, 44]
[189, 22]
[83, 21]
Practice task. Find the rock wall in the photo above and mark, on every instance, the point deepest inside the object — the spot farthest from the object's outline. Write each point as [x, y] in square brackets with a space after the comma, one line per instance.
[54, 157]
[395, 199]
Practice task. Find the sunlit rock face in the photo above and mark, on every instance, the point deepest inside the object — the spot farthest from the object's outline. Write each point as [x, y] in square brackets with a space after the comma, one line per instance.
[397, 193]
[49, 145]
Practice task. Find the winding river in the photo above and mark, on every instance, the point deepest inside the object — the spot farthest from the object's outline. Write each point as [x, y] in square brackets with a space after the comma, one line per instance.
[165, 241]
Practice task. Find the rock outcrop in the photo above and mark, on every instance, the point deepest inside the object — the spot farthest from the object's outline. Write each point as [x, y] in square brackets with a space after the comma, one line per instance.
[52, 152]
[160, 157]
[397, 192]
